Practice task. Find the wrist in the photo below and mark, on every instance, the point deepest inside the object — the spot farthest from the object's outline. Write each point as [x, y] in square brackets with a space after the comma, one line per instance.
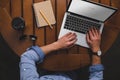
[96, 57]
[96, 60]
[98, 53]
[49, 48]
[96, 49]
[56, 46]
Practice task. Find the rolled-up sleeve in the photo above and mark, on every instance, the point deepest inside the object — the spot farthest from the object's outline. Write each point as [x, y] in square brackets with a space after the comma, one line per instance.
[39, 52]
[96, 72]
[28, 63]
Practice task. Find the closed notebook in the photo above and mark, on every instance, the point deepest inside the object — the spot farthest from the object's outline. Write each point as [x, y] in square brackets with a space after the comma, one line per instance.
[46, 8]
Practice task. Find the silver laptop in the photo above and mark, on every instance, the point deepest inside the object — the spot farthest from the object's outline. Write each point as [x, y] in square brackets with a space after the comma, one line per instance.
[82, 15]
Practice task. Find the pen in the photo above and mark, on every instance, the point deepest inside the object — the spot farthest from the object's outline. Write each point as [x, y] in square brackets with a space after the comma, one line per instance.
[45, 18]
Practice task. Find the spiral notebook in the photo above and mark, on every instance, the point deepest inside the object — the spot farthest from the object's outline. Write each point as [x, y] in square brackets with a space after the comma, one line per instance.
[46, 8]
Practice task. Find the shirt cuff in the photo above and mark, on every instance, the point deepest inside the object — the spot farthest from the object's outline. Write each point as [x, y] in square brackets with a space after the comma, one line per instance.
[96, 68]
[39, 52]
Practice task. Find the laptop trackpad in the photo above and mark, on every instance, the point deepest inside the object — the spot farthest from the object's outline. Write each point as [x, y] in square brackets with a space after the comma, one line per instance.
[81, 40]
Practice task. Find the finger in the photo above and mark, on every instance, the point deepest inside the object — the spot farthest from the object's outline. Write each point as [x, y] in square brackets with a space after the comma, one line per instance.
[90, 34]
[93, 31]
[72, 42]
[71, 35]
[97, 32]
[87, 38]
[68, 34]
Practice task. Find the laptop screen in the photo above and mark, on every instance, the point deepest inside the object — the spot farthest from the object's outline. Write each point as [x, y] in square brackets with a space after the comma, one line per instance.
[91, 10]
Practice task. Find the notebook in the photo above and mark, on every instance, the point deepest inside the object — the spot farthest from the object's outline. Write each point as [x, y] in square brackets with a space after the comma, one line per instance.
[47, 10]
[82, 15]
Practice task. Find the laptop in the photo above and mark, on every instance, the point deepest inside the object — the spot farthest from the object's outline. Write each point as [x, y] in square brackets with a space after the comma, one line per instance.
[82, 15]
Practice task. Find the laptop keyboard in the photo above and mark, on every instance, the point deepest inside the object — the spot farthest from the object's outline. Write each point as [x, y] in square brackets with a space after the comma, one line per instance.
[79, 24]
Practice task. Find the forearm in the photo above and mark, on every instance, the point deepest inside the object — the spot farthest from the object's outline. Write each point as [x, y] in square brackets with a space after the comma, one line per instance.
[96, 60]
[49, 48]
[93, 38]
[96, 70]
[96, 57]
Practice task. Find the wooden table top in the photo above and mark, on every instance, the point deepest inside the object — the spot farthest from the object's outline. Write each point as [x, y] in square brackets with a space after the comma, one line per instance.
[70, 59]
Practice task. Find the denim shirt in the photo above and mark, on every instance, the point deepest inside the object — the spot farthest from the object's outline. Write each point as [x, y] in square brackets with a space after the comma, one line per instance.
[28, 70]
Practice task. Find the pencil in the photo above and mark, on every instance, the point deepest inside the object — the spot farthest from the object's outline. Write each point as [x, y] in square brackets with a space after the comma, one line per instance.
[45, 18]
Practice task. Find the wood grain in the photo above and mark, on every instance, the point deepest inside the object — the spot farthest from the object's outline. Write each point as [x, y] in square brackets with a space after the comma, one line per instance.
[51, 34]
[16, 8]
[39, 32]
[70, 59]
[61, 8]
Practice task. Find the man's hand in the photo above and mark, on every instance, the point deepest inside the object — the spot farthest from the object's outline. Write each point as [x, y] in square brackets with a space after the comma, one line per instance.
[66, 41]
[93, 39]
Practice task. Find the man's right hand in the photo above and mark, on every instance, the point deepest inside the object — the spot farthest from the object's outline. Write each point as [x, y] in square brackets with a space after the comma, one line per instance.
[93, 38]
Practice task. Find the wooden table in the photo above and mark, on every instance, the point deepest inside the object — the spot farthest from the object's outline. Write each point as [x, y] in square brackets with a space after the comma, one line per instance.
[70, 59]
